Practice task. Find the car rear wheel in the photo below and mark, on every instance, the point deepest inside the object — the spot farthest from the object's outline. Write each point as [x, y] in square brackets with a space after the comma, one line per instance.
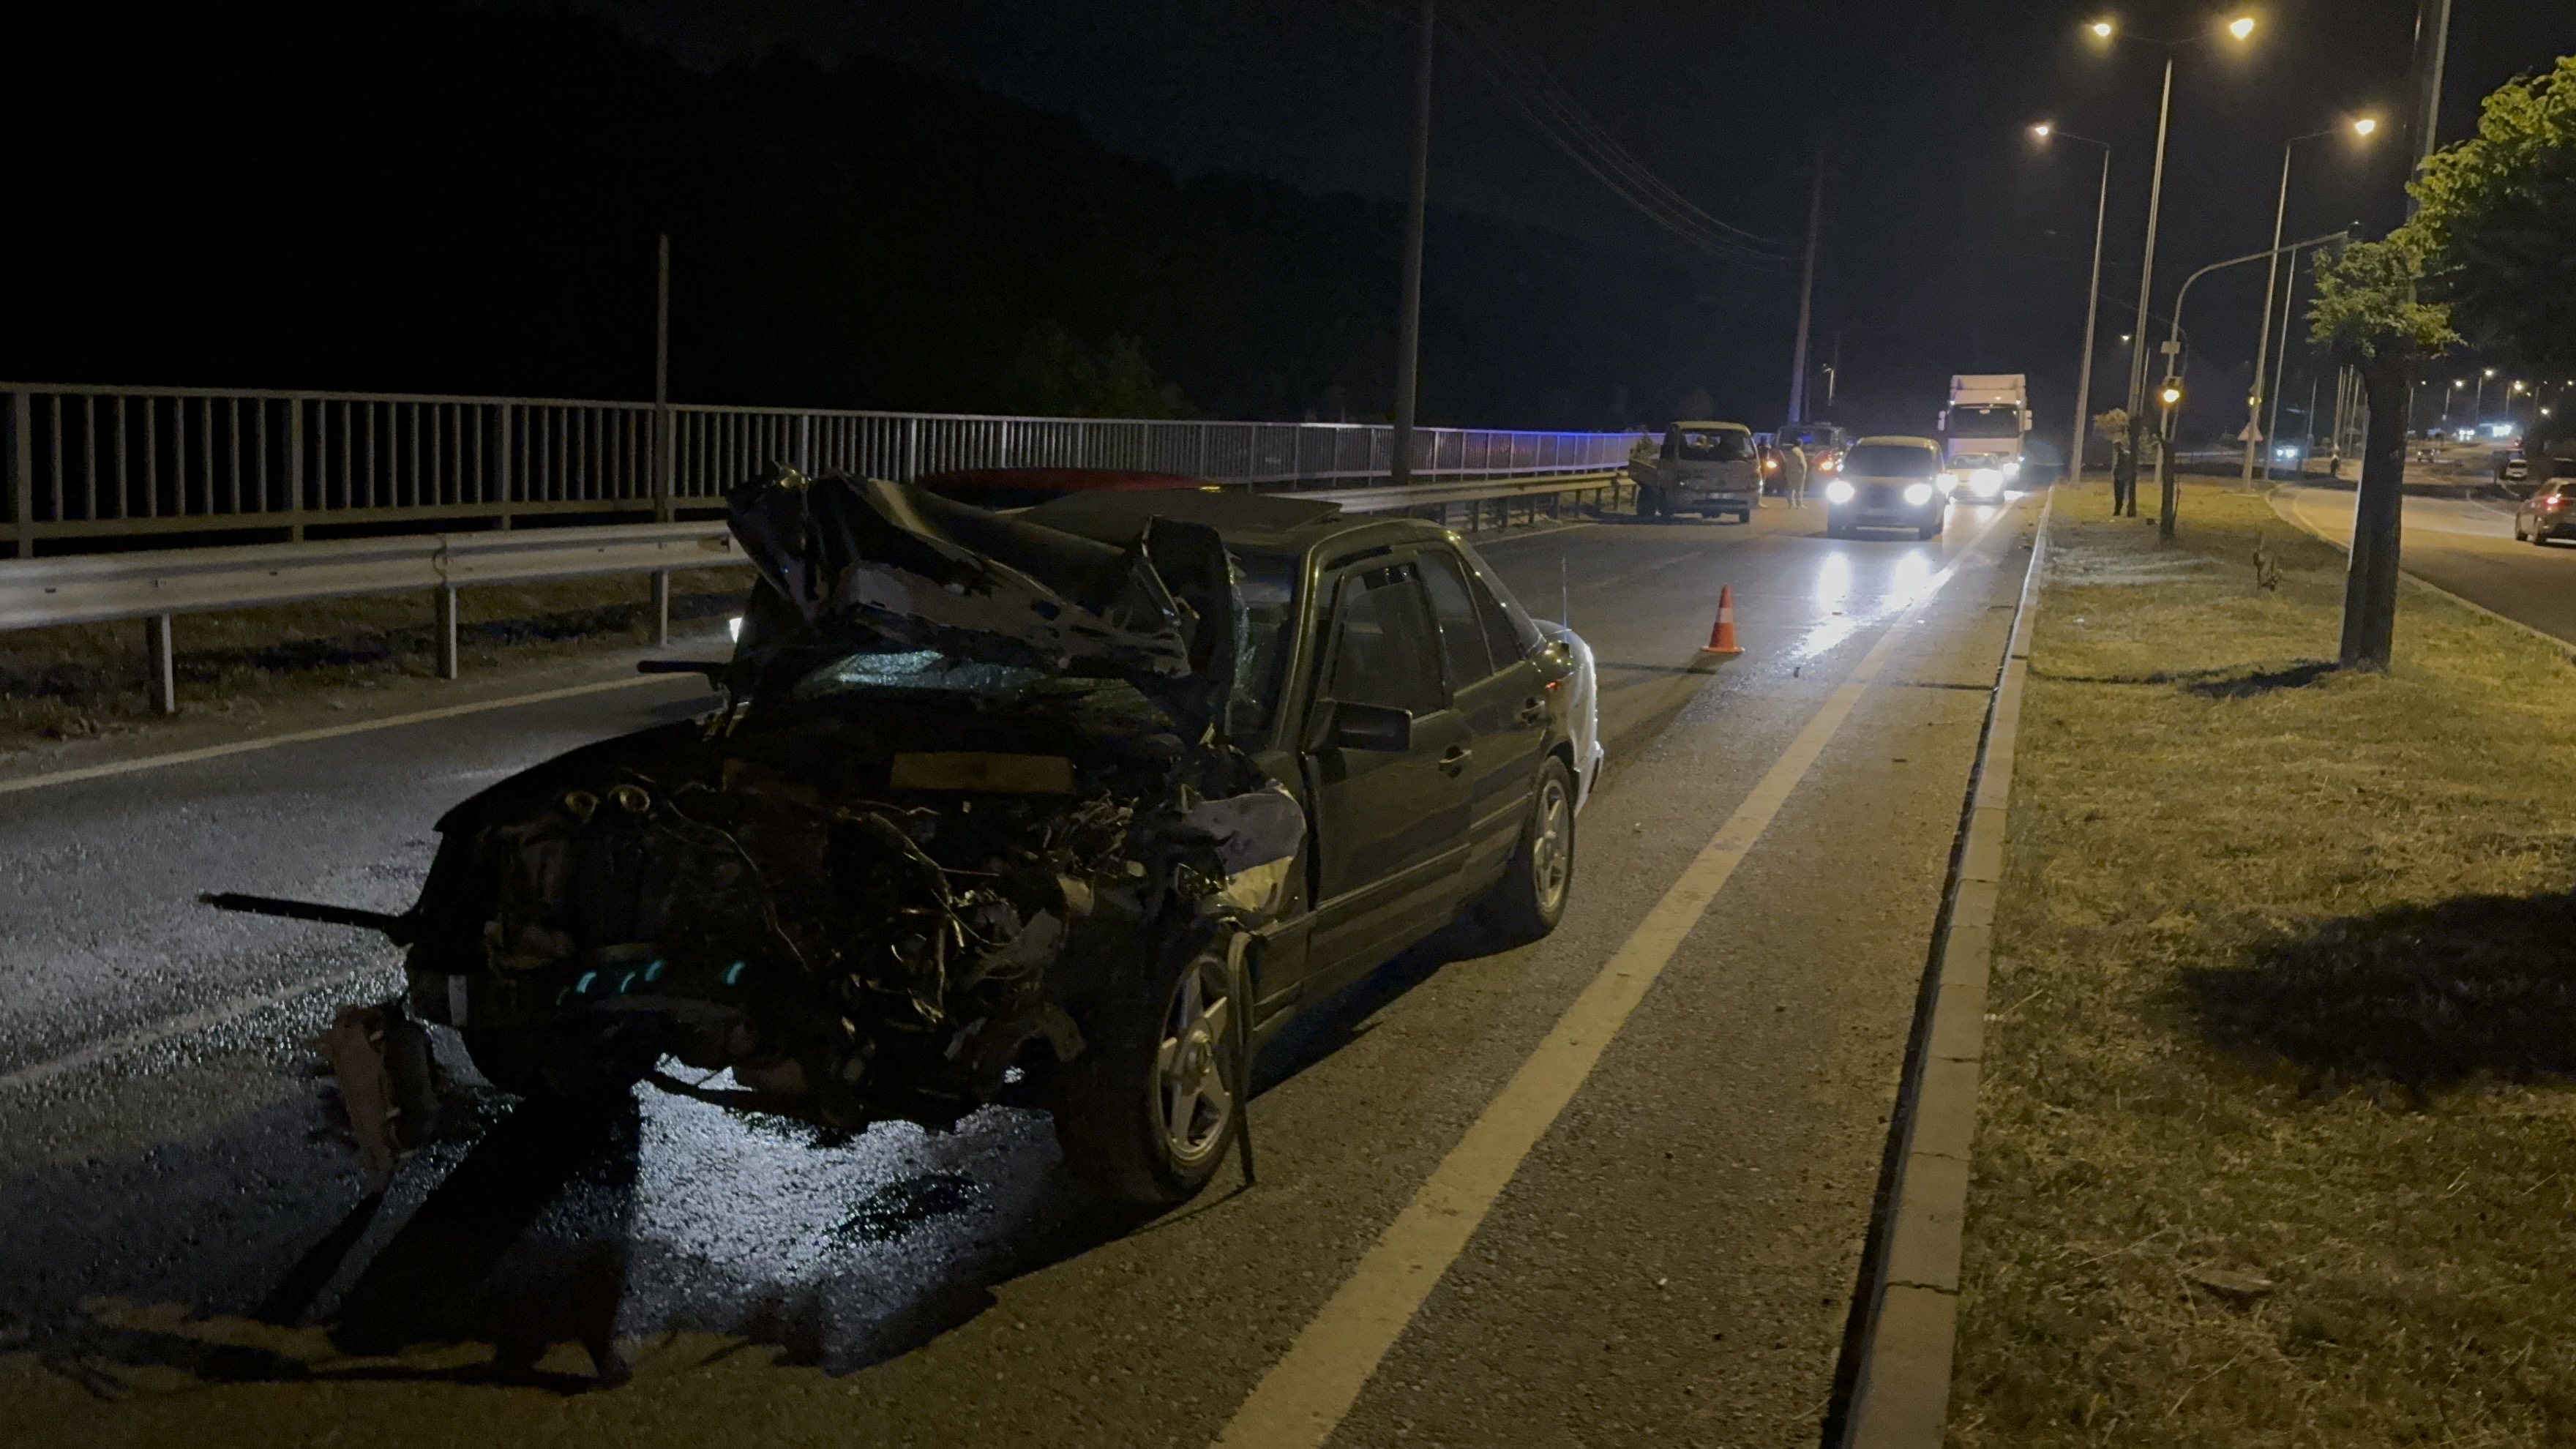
[1928, 531]
[1149, 1109]
[1529, 900]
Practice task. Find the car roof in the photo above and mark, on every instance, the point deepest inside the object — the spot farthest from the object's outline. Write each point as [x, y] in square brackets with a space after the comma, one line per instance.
[1898, 440]
[1253, 520]
[1710, 423]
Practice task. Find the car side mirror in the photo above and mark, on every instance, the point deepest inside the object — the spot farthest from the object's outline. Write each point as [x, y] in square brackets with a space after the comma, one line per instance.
[1354, 726]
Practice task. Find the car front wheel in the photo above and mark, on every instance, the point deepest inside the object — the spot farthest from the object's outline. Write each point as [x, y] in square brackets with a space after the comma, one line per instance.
[1148, 1110]
[1529, 900]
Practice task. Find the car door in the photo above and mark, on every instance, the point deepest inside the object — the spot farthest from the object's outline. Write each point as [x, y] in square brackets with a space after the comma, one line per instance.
[1390, 823]
[1496, 688]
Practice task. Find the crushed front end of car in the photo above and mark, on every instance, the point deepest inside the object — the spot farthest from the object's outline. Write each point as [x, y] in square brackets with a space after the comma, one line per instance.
[964, 824]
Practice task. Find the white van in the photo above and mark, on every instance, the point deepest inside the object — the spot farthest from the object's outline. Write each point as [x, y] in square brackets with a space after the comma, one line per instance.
[1707, 468]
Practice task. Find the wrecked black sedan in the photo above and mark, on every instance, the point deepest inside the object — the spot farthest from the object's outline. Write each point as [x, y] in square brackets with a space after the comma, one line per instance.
[1072, 807]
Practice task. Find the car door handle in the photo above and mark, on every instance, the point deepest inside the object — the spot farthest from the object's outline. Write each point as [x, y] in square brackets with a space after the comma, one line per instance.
[1455, 758]
[1533, 712]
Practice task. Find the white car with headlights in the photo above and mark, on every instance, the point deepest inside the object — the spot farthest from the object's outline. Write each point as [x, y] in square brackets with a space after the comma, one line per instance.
[1888, 482]
[1981, 477]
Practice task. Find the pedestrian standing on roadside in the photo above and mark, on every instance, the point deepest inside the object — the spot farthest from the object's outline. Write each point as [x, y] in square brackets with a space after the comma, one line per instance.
[1793, 474]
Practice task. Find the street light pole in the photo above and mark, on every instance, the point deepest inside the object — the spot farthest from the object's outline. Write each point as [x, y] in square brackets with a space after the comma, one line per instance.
[2146, 284]
[2166, 485]
[2362, 127]
[2280, 369]
[2092, 304]
[1408, 345]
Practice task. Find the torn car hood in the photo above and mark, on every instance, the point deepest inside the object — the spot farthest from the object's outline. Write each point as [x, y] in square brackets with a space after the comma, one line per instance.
[922, 571]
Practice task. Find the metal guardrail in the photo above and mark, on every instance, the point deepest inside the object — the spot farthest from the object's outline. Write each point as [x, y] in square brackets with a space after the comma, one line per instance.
[84, 464]
[156, 584]
[1441, 495]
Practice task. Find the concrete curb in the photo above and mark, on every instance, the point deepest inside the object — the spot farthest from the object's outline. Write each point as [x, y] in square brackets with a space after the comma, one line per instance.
[1901, 1390]
[2291, 518]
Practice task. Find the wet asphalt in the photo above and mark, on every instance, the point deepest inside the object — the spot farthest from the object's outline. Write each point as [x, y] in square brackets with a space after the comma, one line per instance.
[187, 1251]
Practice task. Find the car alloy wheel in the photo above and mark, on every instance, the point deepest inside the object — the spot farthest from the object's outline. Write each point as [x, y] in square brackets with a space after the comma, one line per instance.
[1551, 844]
[1530, 898]
[1191, 1092]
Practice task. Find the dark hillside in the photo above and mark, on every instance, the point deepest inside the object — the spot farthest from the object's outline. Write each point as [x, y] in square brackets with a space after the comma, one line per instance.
[460, 198]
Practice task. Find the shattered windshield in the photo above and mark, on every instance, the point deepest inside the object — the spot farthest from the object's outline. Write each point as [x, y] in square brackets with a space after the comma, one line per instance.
[1267, 585]
[1715, 445]
[916, 669]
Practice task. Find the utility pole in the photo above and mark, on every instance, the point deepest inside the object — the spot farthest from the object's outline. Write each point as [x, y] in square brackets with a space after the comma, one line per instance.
[1408, 344]
[1807, 292]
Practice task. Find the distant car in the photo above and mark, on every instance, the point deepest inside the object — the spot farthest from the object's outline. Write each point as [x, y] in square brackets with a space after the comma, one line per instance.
[1887, 482]
[1981, 477]
[1707, 468]
[2544, 515]
[2512, 466]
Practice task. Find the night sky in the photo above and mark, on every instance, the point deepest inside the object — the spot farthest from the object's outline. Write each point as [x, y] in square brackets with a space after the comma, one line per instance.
[1951, 244]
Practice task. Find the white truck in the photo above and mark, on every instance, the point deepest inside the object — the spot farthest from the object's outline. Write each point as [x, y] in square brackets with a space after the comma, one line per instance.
[1982, 431]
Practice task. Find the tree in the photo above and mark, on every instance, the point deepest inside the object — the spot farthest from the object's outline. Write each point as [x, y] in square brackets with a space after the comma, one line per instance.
[2111, 424]
[2367, 315]
[1060, 375]
[2497, 220]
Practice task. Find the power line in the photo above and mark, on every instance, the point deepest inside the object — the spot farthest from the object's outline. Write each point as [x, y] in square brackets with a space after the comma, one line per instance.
[1545, 102]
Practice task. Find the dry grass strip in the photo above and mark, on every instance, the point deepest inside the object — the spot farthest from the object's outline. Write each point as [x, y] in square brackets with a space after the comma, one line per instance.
[2278, 1145]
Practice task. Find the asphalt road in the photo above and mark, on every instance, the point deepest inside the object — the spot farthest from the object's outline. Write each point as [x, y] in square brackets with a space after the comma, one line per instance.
[2465, 545]
[187, 1253]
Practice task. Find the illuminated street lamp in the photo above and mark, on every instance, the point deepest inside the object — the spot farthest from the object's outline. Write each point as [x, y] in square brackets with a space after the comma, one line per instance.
[2092, 301]
[2108, 32]
[2360, 128]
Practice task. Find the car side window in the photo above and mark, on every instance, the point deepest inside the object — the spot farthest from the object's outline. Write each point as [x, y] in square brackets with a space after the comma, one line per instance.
[1463, 644]
[1509, 634]
[1386, 649]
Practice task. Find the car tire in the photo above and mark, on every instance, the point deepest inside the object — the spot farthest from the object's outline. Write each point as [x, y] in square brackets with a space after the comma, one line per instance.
[1928, 532]
[1529, 900]
[1149, 1110]
[2518, 534]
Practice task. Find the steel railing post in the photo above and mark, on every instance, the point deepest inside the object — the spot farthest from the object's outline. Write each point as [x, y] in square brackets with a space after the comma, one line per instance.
[444, 600]
[662, 607]
[165, 674]
[295, 470]
[22, 471]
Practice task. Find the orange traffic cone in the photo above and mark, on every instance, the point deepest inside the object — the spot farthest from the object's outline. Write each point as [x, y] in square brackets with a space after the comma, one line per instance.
[1721, 640]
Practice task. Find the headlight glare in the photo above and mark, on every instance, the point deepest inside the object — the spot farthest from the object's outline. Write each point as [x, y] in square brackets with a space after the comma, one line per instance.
[733, 627]
[1918, 494]
[1838, 491]
[1986, 482]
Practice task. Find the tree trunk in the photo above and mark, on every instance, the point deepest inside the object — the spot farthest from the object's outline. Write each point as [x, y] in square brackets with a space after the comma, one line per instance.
[2370, 583]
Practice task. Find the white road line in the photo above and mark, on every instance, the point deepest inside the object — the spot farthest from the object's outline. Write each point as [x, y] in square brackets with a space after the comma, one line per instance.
[201, 1020]
[1304, 1397]
[333, 732]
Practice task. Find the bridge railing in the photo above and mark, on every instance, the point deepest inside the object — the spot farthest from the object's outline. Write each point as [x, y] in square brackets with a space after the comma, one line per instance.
[92, 467]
